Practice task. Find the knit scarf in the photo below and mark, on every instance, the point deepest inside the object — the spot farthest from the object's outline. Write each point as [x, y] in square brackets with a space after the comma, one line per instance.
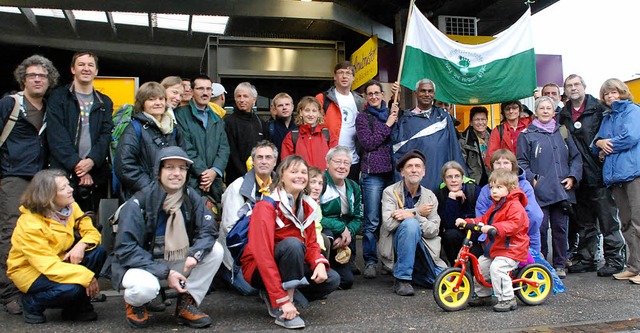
[381, 113]
[548, 127]
[61, 215]
[176, 240]
[165, 124]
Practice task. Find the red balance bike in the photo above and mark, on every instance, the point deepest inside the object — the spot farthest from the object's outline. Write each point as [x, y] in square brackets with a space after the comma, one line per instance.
[454, 286]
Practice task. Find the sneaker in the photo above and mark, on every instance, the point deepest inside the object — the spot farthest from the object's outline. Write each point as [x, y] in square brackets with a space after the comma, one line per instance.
[99, 298]
[156, 305]
[296, 322]
[403, 288]
[506, 305]
[33, 317]
[386, 270]
[481, 301]
[188, 313]
[13, 307]
[635, 279]
[354, 268]
[370, 271]
[264, 296]
[561, 272]
[624, 275]
[137, 316]
[581, 267]
[608, 270]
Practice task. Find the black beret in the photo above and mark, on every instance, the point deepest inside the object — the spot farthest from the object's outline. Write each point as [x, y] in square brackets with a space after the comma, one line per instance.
[414, 153]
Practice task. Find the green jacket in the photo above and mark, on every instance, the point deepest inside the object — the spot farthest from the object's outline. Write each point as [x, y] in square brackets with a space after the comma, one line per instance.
[332, 218]
[208, 148]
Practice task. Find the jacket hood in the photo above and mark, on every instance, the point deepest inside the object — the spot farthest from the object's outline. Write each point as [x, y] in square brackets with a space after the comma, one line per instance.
[517, 194]
[171, 152]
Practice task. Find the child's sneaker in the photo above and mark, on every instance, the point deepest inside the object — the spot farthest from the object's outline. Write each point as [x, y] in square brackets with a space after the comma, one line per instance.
[506, 305]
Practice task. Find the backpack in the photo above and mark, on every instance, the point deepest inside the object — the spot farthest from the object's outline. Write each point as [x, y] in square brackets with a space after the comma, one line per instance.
[237, 237]
[295, 132]
[13, 117]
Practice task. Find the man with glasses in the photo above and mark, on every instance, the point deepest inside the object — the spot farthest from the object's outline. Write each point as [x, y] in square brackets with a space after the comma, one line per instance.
[341, 203]
[205, 140]
[248, 189]
[23, 152]
[429, 129]
[595, 208]
[341, 107]
[166, 233]
[244, 130]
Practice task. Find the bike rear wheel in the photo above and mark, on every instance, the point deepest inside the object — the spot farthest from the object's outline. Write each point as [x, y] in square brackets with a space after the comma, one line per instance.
[445, 293]
[530, 294]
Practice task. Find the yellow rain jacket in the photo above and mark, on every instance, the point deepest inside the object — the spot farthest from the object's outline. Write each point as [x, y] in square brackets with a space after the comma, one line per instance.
[39, 244]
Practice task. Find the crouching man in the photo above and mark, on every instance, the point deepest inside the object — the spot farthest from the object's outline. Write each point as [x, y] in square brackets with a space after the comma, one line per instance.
[409, 244]
[166, 233]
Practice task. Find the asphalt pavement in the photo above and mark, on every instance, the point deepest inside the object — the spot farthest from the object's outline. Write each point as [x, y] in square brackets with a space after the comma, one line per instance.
[591, 304]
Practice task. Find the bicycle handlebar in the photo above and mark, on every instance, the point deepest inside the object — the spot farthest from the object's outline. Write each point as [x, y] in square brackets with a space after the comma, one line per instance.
[477, 228]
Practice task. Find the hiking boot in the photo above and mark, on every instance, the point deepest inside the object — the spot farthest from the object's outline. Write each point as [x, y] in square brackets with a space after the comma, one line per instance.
[386, 270]
[561, 272]
[137, 316]
[608, 270]
[33, 317]
[403, 288]
[264, 296]
[581, 267]
[506, 305]
[481, 301]
[624, 275]
[296, 322]
[188, 313]
[370, 271]
[156, 305]
[13, 307]
[99, 298]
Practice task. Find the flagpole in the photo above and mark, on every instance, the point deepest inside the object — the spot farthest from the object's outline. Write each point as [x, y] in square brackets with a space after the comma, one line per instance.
[404, 47]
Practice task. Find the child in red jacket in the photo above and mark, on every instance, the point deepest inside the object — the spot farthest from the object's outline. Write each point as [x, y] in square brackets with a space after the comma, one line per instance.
[504, 251]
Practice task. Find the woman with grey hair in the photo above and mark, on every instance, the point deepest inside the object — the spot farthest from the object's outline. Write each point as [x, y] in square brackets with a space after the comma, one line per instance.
[553, 165]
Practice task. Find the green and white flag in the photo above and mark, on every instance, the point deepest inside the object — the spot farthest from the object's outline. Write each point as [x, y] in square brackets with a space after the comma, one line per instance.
[501, 70]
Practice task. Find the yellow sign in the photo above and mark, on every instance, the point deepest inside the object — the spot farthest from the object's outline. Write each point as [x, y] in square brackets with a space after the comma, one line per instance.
[121, 90]
[365, 59]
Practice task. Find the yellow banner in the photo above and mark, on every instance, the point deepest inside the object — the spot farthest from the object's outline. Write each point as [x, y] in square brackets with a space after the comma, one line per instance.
[365, 59]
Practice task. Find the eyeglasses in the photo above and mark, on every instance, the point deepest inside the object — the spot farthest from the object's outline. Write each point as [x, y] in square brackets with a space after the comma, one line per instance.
[345, 73]
[32, 76]
[374, 94]
[203, 89]
[341, 162]
[169, 167]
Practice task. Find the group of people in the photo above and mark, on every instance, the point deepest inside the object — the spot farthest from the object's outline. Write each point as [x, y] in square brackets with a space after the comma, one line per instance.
[309, 182]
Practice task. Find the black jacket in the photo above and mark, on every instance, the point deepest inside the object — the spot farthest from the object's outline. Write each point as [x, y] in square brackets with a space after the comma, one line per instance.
[62, 126]
[137, 229]
[24, 152]
[136, 155]
[244, 130]
[590, 121]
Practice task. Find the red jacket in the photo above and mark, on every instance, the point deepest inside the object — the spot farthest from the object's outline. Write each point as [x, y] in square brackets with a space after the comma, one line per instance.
[509, 138]
[512, 223]
[267, 228]
[312, 146]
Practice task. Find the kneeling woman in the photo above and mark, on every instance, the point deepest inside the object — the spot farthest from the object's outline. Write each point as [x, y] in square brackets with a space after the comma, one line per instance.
[44, 263]
[282, 253]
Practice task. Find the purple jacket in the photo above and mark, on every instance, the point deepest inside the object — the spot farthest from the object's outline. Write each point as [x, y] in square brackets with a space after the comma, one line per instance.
[374, 137]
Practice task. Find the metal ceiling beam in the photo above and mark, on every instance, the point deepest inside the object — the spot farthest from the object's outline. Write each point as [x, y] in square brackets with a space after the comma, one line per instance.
[286, 9]
[31, 17]
[112, 24]
[72, 21]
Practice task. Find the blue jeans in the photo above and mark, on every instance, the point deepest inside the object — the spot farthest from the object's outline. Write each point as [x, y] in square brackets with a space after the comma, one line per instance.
[237, 280]
[46, 294]
[372, 187]
[413, 261]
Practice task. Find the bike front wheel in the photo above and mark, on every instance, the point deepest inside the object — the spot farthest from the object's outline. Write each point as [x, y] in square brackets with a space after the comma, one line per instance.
[447, 295]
